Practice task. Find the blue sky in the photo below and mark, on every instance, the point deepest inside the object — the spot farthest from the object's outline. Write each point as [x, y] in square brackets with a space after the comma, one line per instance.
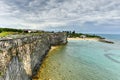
[95, 16]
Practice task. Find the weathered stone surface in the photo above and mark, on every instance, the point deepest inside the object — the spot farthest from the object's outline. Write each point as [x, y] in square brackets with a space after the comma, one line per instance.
[20, 58]
[106, 41]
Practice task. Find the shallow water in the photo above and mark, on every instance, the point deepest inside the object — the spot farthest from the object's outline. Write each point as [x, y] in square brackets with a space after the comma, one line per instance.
[82, 60]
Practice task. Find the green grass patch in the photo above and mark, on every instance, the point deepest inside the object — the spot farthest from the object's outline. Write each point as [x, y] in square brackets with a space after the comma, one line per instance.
[4, 34]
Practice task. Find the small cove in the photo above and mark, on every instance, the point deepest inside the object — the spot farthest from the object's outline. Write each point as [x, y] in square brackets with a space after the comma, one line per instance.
[82, 60]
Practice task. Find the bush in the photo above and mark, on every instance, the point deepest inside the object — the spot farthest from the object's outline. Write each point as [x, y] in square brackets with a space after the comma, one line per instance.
[9, 30]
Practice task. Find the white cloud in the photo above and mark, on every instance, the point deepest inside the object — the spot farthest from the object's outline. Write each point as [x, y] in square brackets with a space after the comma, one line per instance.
[58, 12]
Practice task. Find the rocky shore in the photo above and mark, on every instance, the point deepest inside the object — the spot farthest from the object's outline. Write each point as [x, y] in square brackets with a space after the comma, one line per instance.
[106, 41]
[21, 57]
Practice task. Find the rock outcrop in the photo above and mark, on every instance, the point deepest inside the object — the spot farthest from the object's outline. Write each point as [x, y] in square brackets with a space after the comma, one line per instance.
[20, 58]
[106, 41]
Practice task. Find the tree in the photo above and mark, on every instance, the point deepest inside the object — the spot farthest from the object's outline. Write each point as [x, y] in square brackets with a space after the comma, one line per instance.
[73, 32]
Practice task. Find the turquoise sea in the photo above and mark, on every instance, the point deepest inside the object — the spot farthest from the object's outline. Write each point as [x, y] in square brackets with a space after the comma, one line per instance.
[84, 60]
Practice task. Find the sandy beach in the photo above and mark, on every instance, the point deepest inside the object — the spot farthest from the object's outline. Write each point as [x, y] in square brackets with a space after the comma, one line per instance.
[95, 39]
[53, 48]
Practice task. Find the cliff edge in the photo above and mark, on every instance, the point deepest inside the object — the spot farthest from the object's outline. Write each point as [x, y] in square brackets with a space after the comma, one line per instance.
[20, 58]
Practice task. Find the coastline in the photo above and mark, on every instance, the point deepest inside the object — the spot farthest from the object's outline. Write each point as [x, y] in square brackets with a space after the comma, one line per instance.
[51, 52]
[94, 39]
[70, 71]
[43, 65]
[53, 48]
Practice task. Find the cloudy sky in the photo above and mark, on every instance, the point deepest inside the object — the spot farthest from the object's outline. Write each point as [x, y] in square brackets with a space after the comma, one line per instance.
[96, 16]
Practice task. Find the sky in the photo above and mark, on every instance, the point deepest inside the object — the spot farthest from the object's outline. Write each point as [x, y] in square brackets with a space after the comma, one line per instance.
[91, 16]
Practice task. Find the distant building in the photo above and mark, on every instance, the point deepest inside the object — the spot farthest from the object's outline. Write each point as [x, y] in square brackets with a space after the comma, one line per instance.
[82, 36]
[29, 31]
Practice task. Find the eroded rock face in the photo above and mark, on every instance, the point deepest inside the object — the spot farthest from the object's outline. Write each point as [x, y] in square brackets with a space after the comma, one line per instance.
[21, 58]
[16, 70]
[58, 38]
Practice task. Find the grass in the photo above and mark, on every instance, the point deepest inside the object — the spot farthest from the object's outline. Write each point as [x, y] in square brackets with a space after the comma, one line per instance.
[4, 34]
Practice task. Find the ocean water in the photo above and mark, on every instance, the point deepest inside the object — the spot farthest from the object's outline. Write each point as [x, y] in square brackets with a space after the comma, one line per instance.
[83, 60]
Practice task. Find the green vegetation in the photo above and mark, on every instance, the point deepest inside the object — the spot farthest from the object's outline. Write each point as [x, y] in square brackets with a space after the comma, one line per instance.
[10, 30]
[74, 35]
[3, 34]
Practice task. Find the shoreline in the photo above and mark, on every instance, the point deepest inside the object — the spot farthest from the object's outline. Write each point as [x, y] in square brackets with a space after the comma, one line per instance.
[94, 39]
[38, 76]
[52, 48]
